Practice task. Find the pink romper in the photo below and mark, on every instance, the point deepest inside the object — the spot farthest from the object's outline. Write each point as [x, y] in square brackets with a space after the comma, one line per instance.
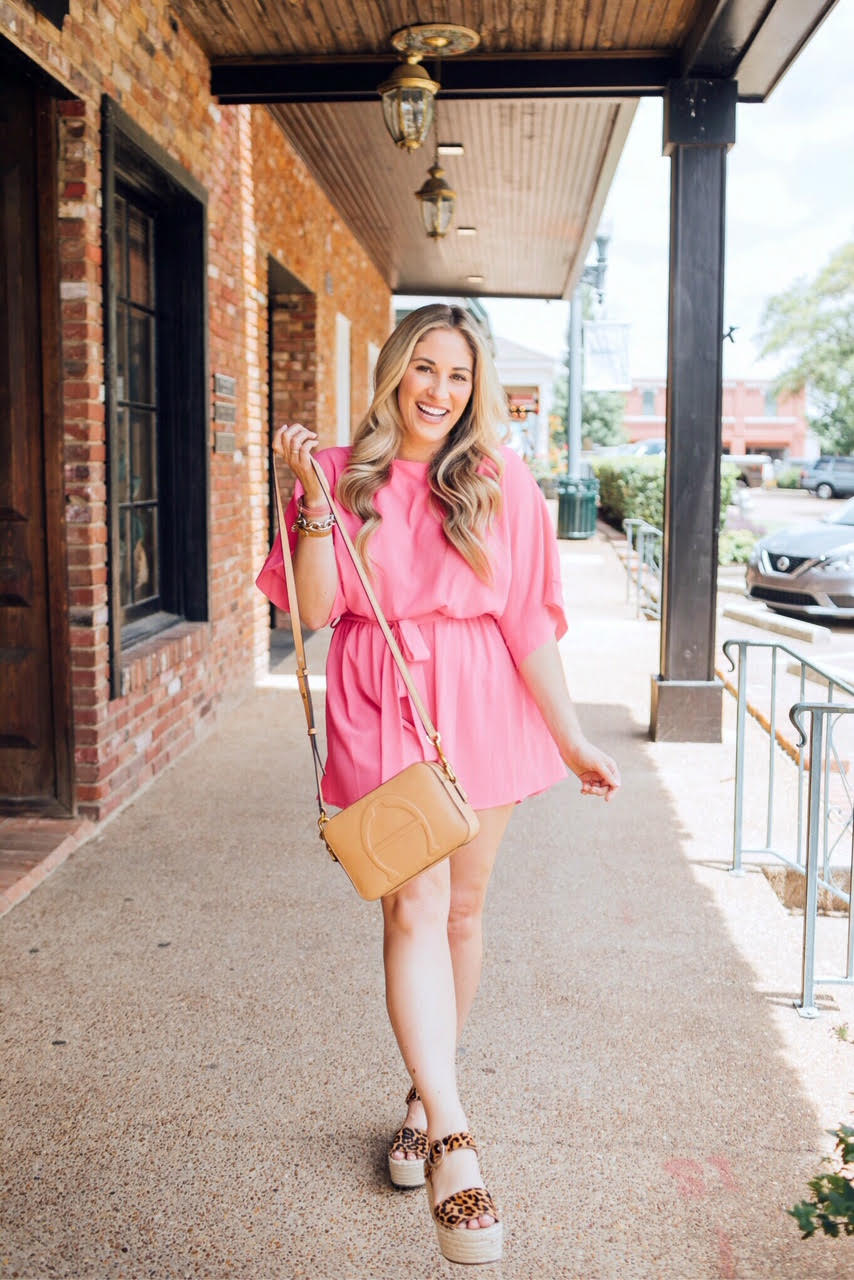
[463, 639]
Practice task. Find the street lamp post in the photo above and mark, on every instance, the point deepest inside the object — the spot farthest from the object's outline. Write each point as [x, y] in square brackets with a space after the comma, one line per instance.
[594, 275]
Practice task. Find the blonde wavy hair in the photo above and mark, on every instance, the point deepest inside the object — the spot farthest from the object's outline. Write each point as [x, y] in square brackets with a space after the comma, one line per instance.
[465, 473]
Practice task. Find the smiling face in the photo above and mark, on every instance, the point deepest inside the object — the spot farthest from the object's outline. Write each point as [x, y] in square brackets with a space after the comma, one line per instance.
[434, 392]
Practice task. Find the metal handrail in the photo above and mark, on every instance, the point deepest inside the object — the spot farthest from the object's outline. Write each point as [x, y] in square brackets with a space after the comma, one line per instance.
[643, 562]
[820, 738]
[814, 844]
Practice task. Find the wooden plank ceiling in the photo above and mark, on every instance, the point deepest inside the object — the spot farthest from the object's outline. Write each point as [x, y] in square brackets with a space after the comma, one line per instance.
[234, 28]
[531, 183]
[542, 107]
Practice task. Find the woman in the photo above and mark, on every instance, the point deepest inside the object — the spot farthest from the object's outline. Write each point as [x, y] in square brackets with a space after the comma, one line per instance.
[464, 561]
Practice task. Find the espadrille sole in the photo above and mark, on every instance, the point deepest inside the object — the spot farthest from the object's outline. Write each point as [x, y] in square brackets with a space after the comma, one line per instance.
[462, 1244]
[406, 1173]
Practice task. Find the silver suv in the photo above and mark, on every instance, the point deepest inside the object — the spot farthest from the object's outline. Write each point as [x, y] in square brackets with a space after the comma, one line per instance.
[830, 477]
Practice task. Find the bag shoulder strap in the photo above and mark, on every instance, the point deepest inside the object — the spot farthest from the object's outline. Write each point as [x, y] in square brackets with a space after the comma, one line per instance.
[302, 669]
[299, 646]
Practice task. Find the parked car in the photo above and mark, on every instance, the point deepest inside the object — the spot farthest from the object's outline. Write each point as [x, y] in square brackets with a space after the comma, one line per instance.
[648, 448]
[807, 569]
[754, 469]
[830, 477]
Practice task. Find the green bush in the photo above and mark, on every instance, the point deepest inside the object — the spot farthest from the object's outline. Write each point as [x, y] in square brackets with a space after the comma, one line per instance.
[633, 488]
[789, 478]
[831, 1208]
[735, 546]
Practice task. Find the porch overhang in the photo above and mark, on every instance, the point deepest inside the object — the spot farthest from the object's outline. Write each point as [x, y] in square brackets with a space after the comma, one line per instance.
[543, 109]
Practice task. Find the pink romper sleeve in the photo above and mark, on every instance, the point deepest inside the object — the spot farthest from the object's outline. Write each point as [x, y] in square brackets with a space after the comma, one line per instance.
[533, 612]
[271, 579]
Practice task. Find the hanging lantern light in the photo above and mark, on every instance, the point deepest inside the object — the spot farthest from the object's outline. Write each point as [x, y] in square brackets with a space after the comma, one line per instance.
[408, 93]
[408, 103]
[437, 202]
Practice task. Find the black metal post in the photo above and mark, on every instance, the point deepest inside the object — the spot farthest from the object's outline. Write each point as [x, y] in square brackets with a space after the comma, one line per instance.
[699, 127]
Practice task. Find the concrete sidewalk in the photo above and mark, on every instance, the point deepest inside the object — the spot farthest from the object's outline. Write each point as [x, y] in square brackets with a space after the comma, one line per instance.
[199, 1080]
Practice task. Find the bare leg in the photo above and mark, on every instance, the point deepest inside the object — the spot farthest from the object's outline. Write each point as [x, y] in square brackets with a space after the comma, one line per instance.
[421, 1000]
[471, 868]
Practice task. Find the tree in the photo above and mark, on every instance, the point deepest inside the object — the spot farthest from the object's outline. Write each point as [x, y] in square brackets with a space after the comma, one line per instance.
[601, 415]
[812, 324]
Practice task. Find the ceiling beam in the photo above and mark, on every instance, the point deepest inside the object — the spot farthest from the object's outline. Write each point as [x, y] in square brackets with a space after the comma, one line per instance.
[349, 79]
[721, 32]
[751, 40]
[788, 27]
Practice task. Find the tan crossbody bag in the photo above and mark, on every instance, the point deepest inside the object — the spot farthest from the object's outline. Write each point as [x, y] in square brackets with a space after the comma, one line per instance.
[416, 818]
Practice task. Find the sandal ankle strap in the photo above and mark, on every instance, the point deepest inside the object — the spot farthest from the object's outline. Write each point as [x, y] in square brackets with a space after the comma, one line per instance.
[412, 1096]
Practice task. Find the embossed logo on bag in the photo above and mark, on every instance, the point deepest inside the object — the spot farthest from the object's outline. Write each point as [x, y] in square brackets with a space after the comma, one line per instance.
[393, 825]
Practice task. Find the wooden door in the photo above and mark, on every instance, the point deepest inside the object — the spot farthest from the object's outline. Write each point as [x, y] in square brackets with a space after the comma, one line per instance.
[34, 768]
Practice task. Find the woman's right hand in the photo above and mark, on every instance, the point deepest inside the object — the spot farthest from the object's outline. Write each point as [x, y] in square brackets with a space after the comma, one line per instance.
[294, 443]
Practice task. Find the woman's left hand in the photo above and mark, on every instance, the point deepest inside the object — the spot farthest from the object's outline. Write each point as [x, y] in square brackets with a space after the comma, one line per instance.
[598, 772]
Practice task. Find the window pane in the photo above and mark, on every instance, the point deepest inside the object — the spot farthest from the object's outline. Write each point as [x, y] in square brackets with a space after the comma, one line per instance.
[119, 238]
[144, 553]
[143, 457]
[121, 351]
[124, 558]
[141, 357]
[123, 454]
[139, 256]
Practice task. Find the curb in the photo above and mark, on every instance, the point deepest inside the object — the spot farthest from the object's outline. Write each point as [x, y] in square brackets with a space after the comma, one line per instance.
[808, 632]
[785, 744]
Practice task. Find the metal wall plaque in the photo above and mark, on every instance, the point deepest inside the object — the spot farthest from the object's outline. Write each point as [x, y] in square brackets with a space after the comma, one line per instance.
[224, 441]
[224, 412]
[224, 385]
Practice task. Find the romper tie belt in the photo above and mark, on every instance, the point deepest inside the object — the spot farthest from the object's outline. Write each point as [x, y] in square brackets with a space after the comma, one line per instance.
[415, 649]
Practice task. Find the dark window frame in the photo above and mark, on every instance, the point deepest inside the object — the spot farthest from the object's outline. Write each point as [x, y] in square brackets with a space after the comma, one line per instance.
[135, 615]
[134, 164]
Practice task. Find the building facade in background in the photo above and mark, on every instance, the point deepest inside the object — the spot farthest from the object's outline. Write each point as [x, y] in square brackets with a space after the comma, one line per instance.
[528, 379]
[753, 419]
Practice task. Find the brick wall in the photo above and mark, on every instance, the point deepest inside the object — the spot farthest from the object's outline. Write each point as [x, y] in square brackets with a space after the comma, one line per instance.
[307, 237]
[143, 57]
[293, 357]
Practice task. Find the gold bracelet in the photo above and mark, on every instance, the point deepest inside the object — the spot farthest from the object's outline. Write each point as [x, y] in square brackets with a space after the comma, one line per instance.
[313, 533]
[314, 526]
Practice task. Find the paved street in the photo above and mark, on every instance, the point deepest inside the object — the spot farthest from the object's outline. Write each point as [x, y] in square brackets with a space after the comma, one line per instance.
[775, 508]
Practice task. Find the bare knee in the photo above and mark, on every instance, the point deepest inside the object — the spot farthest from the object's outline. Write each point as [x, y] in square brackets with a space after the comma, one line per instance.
[465, 914]
[419, 906]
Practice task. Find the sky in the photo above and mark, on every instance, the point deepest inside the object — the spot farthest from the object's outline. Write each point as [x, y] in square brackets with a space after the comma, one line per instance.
[790, 204]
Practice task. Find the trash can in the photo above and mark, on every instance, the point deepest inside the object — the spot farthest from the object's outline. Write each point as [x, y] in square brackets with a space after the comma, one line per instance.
[576, 507]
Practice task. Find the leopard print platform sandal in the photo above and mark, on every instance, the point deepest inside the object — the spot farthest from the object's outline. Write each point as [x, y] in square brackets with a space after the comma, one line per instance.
[408, 1173]
[458, 1243]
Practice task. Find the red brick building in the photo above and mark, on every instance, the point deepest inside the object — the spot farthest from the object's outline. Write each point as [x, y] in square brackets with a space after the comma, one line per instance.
[177, 273]
[174, 259]
[753, 420]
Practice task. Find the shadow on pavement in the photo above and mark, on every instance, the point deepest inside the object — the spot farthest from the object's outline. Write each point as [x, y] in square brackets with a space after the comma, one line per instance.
[199, 1079]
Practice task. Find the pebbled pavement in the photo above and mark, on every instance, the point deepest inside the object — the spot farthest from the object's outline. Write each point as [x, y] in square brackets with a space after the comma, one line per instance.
[198, 1079]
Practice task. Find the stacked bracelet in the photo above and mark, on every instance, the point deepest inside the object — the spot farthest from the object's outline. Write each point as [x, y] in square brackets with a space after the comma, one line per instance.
[311, 527]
